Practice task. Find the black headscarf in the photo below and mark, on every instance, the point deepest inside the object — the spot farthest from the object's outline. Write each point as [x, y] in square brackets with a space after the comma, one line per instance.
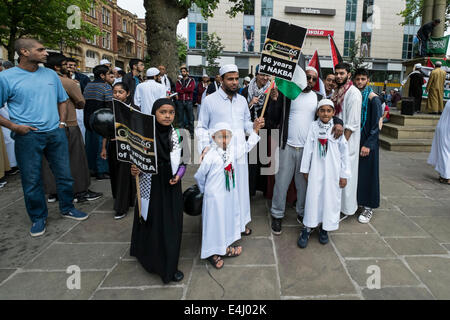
[163, 133]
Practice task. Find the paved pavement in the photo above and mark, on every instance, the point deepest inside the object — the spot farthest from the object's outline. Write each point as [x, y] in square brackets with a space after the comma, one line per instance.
[408, 242]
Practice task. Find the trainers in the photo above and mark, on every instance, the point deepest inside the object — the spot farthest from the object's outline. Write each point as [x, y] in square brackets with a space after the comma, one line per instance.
[343, 217]
[103, 176]
[119, 215]
[276, 226]
[38, 228]
[300, 219]
[323, 236]
[91, 195]
[78, 198]
[52, 198]
[304, 237]
[3, 182]
[75, 214]
[365, 216]
[13, 171]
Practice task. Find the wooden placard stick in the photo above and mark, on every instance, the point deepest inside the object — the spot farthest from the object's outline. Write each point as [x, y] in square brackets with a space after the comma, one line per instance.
[138, 193]
[267, 98]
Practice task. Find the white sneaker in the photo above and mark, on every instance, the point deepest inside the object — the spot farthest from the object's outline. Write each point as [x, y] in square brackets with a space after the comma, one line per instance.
[365, 216]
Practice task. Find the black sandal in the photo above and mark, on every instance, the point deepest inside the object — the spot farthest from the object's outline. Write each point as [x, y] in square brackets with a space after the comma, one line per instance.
[246, 233]
[216, 261]
[231, 252]
[444, 181]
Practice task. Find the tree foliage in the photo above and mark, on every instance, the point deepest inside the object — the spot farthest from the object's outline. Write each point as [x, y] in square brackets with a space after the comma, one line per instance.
[208, 6]
[182, 49]
[213, 49]
[354, 58]
[414, 9]
[46, 20]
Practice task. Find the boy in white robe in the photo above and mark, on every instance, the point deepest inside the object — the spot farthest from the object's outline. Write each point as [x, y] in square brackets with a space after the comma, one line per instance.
[326, 167]
[216, 178]
[440, 150]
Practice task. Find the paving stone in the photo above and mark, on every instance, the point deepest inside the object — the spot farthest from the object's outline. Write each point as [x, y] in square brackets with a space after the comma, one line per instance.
[132, 274]
[421, 202]
[399, 293]
[391, 223]
[107, 205]
[434, 272]
[260, 226]
[447, 245]
[192, 224]
[139, 294]
[423, 183]
[259, 207]
[86, 256]
[392, 272]
[340, 297]
[438, 194]
[254, 252]
[309, 272]
[434, 211]
[399, 190]
[415, 246]
[101, 228]
[190, 245]
[5, 273]
[386, 204]
[351, 225]
[437, 227]
[238, 283]
[361, 246]
[49, 286]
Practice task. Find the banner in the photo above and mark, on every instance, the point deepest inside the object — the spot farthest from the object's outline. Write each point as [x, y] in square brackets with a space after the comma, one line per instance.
[426, 72]
[135, 137]
[282, 49]
[438, 45]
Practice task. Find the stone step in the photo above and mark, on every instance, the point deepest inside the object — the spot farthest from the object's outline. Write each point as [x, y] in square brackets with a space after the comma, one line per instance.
[405, 145]
[397, 131]
[415, 120]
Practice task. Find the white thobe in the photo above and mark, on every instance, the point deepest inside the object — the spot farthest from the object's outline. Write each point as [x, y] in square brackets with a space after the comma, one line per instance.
[217, 107]
[440, 150]
[166, 83]
[351, 116]
[221, 212]
[9, 142]
[323, 195]
[147, 93]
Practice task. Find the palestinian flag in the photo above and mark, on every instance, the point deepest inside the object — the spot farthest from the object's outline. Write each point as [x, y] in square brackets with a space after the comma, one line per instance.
[315, 63]
[292, 89]
[335, 55]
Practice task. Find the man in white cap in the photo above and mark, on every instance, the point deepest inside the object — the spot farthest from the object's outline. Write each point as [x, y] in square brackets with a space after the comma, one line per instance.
[225, 105]
[165, 80]
[416, 82]
[105, 62]
[149, 91]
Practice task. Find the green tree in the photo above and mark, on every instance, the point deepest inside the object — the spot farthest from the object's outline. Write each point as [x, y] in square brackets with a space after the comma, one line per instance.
[414, 9]
[181, 49]
[51, 21]
[213, 48]
[162, 17]
[354, 58]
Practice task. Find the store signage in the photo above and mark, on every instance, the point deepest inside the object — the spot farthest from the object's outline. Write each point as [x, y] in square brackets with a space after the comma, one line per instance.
[319, 33]
[314, 11]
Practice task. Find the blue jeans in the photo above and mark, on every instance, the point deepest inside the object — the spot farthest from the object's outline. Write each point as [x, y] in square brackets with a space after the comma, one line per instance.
[186, 113]
[30, 148]
[93, 150]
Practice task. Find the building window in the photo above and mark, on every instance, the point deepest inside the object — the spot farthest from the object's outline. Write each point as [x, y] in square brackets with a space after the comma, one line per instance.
[266, 14]
[106, 43]
[92, 9]
[129, 48]
[91, 54]
[93, 42]
[197, 35]
[410, 41]
[124, 26]
[139, 52]
[106, 14]
[139, 35]
[250, 11]
[350, 25]
[366, 28]
[248, 42]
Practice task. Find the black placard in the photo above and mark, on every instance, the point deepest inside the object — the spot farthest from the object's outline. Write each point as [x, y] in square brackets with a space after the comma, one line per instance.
[135, 137]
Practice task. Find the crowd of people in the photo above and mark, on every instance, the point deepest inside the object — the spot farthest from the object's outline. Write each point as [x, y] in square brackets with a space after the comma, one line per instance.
[328, 161]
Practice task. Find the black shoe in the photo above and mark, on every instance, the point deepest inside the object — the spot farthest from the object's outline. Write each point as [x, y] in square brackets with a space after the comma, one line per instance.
[178, 276]
[323, 236]
[52, 198]
[119, 215]
[103, 176]
[300, 219]
[13, 171]
[304, 237]
[79, 198]
[91, 195]
[276, 226]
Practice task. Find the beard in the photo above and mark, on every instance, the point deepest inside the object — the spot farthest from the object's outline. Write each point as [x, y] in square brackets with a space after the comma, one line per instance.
[343, 82]
[230, 91]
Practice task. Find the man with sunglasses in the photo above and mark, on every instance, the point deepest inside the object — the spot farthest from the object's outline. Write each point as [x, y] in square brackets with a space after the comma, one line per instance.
[294, 118]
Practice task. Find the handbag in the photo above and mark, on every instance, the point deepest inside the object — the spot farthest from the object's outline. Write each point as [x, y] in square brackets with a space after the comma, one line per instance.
[193, 201]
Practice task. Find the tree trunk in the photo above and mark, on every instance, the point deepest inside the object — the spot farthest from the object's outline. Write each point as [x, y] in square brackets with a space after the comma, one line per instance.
[162, 17]
[11, 43]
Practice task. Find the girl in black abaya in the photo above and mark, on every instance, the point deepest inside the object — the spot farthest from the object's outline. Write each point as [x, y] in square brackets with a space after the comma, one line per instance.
[156, 236]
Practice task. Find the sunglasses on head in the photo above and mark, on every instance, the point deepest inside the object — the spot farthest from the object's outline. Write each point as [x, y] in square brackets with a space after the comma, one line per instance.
[310, 77]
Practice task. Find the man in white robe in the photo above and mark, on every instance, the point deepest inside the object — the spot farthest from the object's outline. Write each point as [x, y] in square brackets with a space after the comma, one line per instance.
[225, 105]
[149, 91]
[348, 100]
[440, 149]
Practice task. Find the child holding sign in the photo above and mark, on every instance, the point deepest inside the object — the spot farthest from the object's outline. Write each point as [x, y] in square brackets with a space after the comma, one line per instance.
[157, 228]
[122, 183]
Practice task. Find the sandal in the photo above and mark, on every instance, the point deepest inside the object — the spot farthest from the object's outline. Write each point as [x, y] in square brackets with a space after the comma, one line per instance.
[444, 181]
[233, 252]
[215, 262]
[247, 232]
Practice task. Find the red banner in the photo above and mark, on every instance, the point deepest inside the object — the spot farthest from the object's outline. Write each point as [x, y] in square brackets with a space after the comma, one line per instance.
[319, 33]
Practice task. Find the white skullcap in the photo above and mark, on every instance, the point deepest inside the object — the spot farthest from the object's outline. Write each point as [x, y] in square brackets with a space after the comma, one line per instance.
[325, 102]
[104, 61]
[247, 79]
[228, 68]
[308, 68]
[417, 66]
[205, 76]
[438, 64]
[220, 126]
[117, 69]
[152, 72]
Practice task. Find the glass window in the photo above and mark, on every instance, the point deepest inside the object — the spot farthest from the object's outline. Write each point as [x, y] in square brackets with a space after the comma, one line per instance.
[106, 42]
[249, 39]
[251, 10]
[106, 14]
[267, 8]
[92, 9]
[124, 25]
